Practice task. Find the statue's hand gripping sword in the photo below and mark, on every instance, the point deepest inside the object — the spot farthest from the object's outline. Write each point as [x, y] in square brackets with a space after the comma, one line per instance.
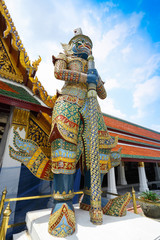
[95, 211]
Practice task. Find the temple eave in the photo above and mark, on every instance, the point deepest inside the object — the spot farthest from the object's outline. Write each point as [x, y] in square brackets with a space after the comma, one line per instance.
[136, 158]
[24, 104]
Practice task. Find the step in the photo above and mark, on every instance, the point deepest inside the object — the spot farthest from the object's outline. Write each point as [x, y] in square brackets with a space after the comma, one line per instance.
[22, 236]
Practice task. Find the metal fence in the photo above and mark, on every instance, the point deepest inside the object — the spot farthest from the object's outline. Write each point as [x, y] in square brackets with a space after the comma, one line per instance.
[7, 212]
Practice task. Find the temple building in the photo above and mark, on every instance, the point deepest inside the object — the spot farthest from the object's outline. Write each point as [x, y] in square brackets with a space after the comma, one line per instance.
[140, 164]
[26, 107]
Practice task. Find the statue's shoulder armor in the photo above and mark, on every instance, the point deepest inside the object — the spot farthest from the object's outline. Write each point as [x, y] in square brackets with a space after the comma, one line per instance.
[61, 56]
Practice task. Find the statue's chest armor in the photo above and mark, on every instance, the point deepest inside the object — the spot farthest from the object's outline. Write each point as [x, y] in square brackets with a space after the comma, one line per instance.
[77, 64]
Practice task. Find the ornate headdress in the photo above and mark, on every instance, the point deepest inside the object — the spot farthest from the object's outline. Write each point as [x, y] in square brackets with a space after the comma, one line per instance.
[77, 34]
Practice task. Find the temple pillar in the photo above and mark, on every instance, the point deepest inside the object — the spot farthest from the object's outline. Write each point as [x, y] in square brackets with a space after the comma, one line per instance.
[121, 174]
[142, 178]
[157, 171]
[111, 183]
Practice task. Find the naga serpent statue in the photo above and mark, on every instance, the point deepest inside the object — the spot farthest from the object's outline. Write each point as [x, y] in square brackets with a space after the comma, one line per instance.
[79, 139]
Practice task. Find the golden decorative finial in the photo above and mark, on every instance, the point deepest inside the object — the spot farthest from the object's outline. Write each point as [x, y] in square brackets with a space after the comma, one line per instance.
[36, 63]
[2, 200]
[5, 220]
[134, 201]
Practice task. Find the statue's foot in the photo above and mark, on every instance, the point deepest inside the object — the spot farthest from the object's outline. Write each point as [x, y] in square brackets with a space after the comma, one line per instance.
[112, 207]
[117, 206]
[62, 220]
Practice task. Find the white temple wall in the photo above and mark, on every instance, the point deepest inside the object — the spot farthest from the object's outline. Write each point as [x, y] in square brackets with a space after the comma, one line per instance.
[10, 170]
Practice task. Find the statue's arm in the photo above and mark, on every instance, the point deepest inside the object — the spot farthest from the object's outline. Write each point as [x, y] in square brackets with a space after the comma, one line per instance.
[101, 92]
[62, 73]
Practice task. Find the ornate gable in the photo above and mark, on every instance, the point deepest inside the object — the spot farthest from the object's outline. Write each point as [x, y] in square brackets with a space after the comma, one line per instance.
[8, 68]
[5, 63]
[14, 61]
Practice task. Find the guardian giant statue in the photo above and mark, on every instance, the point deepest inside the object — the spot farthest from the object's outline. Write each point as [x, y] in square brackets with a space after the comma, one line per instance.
[79, 139]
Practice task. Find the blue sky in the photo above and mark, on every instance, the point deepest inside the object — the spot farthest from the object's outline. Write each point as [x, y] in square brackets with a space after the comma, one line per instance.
[126, 47]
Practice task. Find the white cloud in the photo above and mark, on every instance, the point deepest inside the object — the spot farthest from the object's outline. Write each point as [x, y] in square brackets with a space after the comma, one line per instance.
[147, 69]
[126, 51]
[108, 107]
[145, 94]
[124, 57]
[45, 75]
[16, 11]
[115, 37]
[156, 127]
[111, 83]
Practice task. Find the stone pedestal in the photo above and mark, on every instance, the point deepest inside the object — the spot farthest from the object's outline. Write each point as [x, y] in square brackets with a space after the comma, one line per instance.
[131, 226]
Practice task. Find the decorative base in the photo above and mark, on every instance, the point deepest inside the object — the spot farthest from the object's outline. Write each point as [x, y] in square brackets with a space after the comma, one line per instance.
[62, 222]
[96, 216]
[117, 206]
[113, 207]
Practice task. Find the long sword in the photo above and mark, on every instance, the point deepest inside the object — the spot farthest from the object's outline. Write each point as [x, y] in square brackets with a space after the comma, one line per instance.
[95, 211]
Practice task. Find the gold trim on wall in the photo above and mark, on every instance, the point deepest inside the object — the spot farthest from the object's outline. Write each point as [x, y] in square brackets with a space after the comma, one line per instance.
[40, 123]
[20, 119]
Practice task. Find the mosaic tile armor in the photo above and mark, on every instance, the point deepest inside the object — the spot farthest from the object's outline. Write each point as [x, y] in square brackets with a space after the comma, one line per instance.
[70, 120]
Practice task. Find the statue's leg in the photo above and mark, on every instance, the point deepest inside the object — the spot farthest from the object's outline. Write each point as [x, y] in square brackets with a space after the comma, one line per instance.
[85, 201]
[117, 205]
[113, 207]
[62, 218]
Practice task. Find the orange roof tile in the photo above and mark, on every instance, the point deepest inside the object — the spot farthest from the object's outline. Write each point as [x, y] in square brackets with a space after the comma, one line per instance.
[113, 122]
[138, 140]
